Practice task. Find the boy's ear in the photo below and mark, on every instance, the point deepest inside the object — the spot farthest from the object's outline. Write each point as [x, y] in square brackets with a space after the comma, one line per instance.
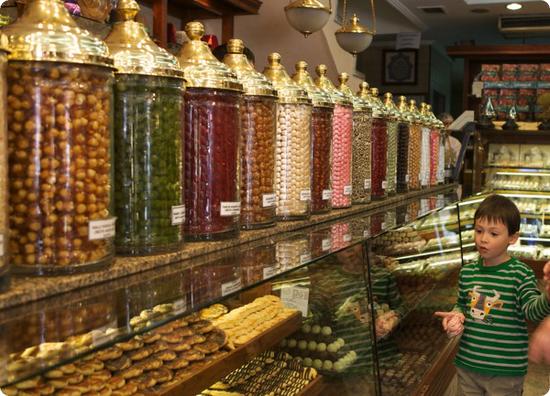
[513, 238]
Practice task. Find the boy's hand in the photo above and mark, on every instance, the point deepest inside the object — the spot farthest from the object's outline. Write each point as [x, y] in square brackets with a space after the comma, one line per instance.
[539, 347]
[546, 277]
[453, 322]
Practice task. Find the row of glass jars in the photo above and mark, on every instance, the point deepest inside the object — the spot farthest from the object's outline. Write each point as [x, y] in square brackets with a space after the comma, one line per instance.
[62, 106]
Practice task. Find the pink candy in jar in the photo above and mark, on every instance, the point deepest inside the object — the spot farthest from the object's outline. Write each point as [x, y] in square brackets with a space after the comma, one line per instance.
[341, 160]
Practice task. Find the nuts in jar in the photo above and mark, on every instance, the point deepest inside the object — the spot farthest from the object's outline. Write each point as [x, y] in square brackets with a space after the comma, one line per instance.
[361, 157]
[341, 156]
[4, 224]
[59, 144]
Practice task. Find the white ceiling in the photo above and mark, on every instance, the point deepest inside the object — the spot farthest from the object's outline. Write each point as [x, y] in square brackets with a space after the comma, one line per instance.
[458, 12]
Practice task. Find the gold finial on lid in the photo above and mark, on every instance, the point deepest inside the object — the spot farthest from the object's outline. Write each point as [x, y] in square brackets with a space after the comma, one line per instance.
[194, 30]
[235, 46]
[126, 10]
[374, 92]
[288, 91]
[343, 78]
[301, 65]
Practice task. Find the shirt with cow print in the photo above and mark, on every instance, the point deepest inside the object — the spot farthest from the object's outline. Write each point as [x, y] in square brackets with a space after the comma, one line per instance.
[496, 302]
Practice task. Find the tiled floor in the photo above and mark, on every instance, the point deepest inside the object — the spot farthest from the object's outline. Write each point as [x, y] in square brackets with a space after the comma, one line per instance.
[537, 382]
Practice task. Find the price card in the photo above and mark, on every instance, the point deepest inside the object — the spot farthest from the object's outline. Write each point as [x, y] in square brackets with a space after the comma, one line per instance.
[304, 258]
[383, 226]
[180, 305]
[384, 184]
[178, 214]
[407, 178]
[347, 190]
[231, 287]
[347, 237]
[366, 233]
[327, 194]
[269, 200]
[270, 272]
[230, 208]
[101, 229]
[296, 297]
[326, 244]
[448, 172]
[367, 184]
[1, 245]
[305, 195]
[105, 333]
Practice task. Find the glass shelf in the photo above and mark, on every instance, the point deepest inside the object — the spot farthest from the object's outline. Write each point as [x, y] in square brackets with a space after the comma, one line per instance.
[58, 330]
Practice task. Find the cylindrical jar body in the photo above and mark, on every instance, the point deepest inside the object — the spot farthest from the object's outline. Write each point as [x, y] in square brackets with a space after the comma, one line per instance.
[148, 162]
[379, 141]
[292, 253]
[361, 153]
[293, 161]
[321, 147]
[415, 145]
[341, 156]
[434, 155]
[4, 212]
[441, 160]
[258, 201]
[425, 158]
[391, 172]
[211, 155]
[59, 125]
[403, 133]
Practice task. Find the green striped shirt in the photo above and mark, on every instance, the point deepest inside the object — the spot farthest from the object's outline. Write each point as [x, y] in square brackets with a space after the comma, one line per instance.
[496, 302]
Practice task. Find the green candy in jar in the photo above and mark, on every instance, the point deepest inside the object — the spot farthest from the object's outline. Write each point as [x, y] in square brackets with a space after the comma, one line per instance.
[148, 108]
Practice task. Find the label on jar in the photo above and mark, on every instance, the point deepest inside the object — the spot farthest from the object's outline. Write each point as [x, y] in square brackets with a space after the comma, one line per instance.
[347, 237]
[101, 229]
[1, 245]
[105, 333]
[180, 305]
[384, 184]
[304, 258]
[231, 287]
[383, 226]
[367, 184]
[347, 190]
[269, 200]
[305, 195]
[407, 218]
[448, 172]
[296, 297]
[326, 244]
[178, 214]
[270, 271]
[230, 208]
[366, 233]
[407, 178]
[327, 194]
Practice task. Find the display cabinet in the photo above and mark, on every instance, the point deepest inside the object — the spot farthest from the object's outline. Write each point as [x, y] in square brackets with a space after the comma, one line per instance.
[341, 307]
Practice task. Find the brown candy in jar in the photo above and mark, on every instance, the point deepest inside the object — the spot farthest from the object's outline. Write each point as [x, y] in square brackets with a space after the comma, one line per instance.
[378, 158]
[321, 145]
[4, 222]
[402, 158]
[258, 119]
[415, 145]
[361, 157]
[59, 166]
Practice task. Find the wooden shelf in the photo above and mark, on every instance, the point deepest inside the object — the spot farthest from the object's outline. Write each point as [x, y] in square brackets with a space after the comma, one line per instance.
[197, 381]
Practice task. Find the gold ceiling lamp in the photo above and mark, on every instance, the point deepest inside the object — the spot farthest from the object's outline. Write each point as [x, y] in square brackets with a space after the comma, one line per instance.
[307, 16]
[352, 36]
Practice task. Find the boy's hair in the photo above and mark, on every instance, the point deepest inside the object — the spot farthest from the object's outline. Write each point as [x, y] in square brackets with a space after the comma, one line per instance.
[496, 208]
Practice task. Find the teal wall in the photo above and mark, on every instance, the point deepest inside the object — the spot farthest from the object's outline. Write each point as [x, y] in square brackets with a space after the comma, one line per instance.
[441, 75]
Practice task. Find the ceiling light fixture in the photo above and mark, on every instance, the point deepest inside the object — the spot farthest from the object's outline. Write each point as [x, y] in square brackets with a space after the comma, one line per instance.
[352, 36]
[307, 16]
[514, 6]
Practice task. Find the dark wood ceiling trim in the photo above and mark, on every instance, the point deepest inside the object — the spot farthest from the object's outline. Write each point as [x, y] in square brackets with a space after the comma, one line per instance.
[489, 50]
[249, 6]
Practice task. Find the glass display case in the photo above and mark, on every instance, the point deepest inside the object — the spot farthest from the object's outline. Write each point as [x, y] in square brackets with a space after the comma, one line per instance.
[344, 306]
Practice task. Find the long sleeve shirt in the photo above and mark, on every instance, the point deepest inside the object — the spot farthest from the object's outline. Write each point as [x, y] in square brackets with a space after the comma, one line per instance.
[496, 302]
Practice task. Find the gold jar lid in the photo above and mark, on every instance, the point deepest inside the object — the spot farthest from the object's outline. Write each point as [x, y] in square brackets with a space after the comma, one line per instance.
[318, 96]
[359, 104]
[132, 49]
[405, 114]
[391, 109]
[47, 32]
[4, 46]
[437, 123]
[287, 90]
[201, 69]
[254, 82]
[364, 93]
[416, 116]
[426, 120]
[378, 109]
[322, 81]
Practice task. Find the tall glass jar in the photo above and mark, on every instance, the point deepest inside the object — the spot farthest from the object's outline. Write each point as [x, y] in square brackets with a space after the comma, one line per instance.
[366, 137]
[415, 146]
[392, 117]
[148, 100]
[212, 127]
[360, 155]
[438, 126]
[379, 142]
[425, 150]
[293, 146]
[258, 127]
[403, 140]
[321, 140]
[434, 147]
[342, 125]
[59, 140]
[4, 212]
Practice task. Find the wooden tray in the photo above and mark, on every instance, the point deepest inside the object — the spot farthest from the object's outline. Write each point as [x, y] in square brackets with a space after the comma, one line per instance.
[214, 371]
[314, 388]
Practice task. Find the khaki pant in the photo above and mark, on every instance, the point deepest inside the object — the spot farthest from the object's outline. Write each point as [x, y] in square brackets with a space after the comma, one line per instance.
[474, 384]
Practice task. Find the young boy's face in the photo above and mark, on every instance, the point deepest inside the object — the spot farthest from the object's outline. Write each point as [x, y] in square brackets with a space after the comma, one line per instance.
[492, 241]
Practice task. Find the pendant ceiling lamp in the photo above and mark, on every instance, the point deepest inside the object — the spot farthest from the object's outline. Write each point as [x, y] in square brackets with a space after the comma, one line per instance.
[307, 16]
[354, 37]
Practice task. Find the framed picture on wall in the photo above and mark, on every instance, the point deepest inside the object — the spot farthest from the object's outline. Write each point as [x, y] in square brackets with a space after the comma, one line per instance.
[399, 67]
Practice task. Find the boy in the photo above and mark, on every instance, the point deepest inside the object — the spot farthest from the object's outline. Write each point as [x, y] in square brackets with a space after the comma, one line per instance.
[496, 296]
[539, 348]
